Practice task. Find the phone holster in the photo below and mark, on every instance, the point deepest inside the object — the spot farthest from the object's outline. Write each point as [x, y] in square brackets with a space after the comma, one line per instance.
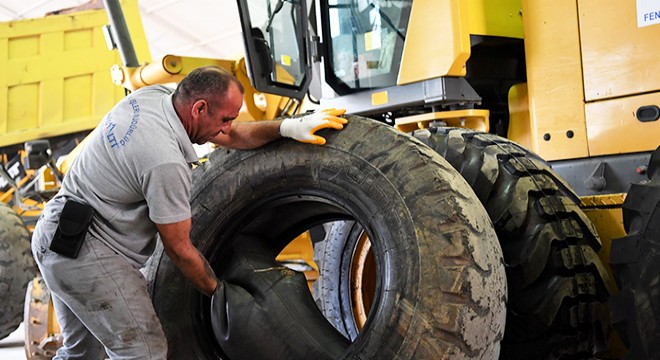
[72, 228]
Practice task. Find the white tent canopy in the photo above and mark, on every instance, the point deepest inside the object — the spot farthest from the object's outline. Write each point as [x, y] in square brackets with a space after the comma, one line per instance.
[204, 28]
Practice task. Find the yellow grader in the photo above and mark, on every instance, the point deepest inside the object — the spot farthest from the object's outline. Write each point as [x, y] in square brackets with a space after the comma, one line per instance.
[494, 194]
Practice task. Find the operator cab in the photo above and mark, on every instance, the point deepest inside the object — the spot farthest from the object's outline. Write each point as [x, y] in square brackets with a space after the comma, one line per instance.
[363, 52]
[378, 58]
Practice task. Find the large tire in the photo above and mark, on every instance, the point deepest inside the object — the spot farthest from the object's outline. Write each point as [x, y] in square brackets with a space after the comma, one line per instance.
[441, 286]
[635, 261]
[557, 284]
[16, 269]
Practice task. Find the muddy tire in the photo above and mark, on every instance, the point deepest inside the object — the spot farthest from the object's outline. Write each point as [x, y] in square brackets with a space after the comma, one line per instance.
[557, 284]
[635, 261]
[16, 269]
[441, 286]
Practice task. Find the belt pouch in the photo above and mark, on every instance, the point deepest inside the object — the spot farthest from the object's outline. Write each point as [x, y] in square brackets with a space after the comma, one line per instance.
[72, 228]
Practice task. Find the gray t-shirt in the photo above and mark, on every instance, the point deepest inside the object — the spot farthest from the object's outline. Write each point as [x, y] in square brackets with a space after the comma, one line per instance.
[134, 170]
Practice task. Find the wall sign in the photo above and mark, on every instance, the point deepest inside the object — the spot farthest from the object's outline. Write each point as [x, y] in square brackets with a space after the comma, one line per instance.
[648, 12]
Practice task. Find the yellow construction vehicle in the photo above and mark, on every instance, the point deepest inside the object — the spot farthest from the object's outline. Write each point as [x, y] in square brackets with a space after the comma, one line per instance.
[407, 256]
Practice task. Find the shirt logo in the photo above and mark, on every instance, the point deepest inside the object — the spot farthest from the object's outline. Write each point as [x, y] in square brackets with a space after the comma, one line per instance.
[109, 126]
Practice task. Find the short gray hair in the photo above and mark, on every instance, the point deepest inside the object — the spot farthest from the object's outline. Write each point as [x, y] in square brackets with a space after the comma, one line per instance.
[204, 83]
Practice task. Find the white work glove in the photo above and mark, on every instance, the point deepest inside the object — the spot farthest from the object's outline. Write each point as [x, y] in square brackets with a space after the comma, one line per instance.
[303, 128]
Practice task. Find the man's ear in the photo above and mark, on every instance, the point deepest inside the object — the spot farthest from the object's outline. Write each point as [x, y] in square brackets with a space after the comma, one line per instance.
[198, 108]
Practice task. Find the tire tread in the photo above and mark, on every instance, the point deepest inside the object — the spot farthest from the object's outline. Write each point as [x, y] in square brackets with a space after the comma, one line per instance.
[557, 284]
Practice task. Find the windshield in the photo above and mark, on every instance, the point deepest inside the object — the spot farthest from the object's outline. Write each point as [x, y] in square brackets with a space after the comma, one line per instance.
[365, 42]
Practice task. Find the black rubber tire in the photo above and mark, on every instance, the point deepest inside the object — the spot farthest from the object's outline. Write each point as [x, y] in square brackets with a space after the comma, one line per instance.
[17, 269]
[442, 287]
[557, 283]
[635, 262]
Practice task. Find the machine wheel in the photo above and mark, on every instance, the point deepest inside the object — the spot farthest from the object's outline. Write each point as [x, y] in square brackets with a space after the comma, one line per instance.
[440, 284]
[635, 261]
[16, 269]
[42, 332]
[556, 281]
[557, 284]
[345, 286]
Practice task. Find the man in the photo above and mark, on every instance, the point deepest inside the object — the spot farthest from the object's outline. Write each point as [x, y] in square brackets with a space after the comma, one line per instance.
[134, 175]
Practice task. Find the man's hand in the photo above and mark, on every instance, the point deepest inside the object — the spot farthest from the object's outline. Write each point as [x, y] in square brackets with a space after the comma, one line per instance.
[303, 128]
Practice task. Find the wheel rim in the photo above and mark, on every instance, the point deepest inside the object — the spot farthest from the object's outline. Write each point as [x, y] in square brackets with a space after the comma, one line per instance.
[363, 280]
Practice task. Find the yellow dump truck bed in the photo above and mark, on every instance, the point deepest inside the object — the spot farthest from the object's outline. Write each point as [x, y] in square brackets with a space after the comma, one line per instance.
[55, 73]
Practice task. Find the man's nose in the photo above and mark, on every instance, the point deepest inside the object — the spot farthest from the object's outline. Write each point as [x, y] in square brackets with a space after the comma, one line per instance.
[226, 126]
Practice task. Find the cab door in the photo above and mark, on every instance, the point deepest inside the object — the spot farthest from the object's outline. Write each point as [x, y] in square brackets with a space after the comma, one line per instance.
[275, 35]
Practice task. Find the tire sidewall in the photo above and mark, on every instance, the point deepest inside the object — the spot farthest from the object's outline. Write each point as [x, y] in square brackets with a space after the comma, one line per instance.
[229, 201]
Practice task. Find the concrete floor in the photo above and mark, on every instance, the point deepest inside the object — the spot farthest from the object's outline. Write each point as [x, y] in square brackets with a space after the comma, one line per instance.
[11, 347]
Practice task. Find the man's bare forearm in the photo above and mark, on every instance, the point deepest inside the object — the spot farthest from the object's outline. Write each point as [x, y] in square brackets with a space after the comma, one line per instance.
[186, 257]
[249, 134]
[197, 269]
